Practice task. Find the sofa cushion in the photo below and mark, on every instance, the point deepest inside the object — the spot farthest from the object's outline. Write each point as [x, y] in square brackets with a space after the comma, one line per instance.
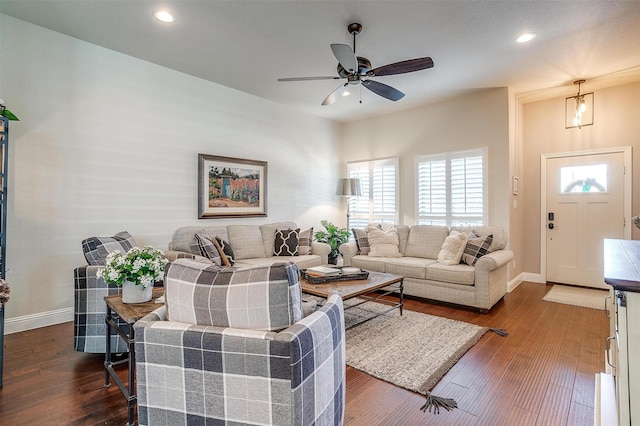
[426, 241]
[383, 242]
[370, 263]
[183, 238]
[455, 274]
[499, 235]
[362, 241]
[452, 248]
[208, 249]
[96, 249]
[260, 298]
[227, 257]
[403, 237]
[302, 262]
[246, 241]
[286, 242]
[476, 248]
[268, 232]
[412, 267]
[305, 242]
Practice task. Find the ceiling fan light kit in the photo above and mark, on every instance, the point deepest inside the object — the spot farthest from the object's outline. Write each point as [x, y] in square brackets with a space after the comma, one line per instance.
[358, 71]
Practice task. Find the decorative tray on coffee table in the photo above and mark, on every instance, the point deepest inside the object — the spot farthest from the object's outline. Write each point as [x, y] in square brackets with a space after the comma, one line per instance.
[315, 278]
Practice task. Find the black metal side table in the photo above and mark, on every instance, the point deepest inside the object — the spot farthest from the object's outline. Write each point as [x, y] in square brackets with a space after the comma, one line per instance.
[128, 313]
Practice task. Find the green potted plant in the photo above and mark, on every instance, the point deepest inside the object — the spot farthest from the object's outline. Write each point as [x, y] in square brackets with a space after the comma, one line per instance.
[333, 236]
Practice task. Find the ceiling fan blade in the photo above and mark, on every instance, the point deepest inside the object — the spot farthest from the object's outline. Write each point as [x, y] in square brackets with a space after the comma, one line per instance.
[410, 65]
[333, 96]
[383, 90]
[309, 78]
[346, 57]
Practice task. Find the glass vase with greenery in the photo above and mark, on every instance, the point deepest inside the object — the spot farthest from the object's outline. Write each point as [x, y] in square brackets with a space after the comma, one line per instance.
[333, 236]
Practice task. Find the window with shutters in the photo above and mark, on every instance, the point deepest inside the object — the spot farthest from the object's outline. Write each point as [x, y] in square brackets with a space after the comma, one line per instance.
[452, 188]
[379, 201]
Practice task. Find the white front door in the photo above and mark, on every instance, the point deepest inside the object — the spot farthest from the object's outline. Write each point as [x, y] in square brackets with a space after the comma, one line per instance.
[585, 205]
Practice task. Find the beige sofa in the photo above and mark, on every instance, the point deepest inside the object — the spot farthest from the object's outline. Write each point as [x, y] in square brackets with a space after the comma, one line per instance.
[252, 245]
[480, 286]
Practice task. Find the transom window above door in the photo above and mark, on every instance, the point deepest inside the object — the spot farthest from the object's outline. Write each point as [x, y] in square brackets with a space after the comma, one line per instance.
[584, 178]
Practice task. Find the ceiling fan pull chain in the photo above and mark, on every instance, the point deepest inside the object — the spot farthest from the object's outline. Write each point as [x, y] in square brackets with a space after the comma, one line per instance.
[360, 87]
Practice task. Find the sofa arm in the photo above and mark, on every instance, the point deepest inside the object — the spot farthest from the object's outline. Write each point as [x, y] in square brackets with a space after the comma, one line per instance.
[322, 250]
[171, 352]
[348, 250]
[491, 278]
[494, 260]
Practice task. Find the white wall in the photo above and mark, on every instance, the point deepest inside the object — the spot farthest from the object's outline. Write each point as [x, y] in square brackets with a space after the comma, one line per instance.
[107, 142]
[473, 121]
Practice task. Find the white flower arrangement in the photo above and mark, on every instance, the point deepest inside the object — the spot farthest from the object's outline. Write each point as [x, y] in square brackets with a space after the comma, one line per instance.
[143, 266]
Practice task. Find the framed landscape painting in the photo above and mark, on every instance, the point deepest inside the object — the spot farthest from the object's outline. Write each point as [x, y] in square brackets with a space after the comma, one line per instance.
[231, 187]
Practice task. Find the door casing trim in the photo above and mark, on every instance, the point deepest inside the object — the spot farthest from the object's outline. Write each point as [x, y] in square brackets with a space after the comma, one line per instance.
[628, 181]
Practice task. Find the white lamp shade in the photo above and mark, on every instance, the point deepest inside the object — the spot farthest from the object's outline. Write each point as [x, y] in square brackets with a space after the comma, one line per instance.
[348, 187]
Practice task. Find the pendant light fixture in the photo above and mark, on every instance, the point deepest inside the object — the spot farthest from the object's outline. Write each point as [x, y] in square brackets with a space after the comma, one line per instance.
[578, 109]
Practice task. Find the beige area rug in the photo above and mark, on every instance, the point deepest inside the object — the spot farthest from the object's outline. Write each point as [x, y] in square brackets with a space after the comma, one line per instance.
[412, 351]
[577, 296]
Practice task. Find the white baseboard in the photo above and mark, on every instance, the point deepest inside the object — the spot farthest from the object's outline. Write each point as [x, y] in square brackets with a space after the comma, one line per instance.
[534, 278]
[524, 276]
[511, 285]
[42, 319]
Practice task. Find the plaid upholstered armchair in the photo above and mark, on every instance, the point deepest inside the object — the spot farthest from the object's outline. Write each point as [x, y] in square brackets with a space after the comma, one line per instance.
[89, 307]
[231, 346]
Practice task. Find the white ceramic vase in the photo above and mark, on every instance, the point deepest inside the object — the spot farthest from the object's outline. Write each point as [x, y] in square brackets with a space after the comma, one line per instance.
[136, 293]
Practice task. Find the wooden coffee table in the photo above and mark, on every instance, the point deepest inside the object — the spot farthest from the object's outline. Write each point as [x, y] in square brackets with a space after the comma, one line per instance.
[362, 289]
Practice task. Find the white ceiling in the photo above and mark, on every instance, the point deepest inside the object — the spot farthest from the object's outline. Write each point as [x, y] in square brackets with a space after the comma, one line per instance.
[248, 44]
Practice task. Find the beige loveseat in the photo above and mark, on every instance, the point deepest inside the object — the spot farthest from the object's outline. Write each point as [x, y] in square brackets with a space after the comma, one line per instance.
[480, 286]
[252, 245]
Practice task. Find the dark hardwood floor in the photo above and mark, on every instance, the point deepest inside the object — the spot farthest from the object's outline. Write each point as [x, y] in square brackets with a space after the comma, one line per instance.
[541, 374]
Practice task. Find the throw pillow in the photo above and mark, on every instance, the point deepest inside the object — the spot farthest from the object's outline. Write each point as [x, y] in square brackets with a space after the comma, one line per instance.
[96, 249]
[383, 243]
[286, 242]
[476, 248]
[362, 241]
[305, 240]
[208, 249]
[225, 251]
[452, 248]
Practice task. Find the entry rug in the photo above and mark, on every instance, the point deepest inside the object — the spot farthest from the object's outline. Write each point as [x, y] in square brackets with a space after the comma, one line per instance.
[412, 351]
[577, 296]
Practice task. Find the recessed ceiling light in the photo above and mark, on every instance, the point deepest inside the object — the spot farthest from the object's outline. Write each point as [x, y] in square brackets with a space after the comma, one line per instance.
[526, 37]
[163, 15]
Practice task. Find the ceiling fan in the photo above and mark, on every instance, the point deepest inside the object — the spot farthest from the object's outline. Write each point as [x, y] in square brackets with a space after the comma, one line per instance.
[358, 69]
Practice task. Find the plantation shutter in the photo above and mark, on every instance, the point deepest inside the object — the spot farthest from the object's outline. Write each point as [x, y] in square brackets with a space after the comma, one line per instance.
[467, 191]
[379, 200]
[432, 191]
[451, 188]
[359, 206]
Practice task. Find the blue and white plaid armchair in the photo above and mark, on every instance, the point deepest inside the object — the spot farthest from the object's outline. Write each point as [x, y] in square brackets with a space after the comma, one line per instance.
[230, 347]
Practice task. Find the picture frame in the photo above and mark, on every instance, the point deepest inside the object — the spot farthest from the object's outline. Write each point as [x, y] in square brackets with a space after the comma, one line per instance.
[231, 187]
